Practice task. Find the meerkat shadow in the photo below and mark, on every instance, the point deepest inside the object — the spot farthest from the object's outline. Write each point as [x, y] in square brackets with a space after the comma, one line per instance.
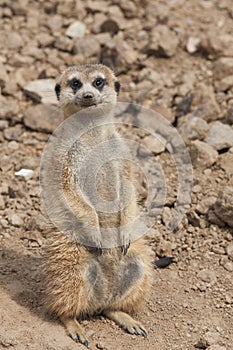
[22, 279]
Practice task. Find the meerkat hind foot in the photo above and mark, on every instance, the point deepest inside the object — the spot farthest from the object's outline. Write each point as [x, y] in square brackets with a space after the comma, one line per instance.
[126, 322]
[75, 330]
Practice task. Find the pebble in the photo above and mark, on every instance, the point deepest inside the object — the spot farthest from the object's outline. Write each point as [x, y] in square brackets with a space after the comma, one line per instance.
[87, 47]
[8, 108]
[25, 173]
[76, 29]
[208, 339]
[208, 276]
[202, 154]
[220, 136]
[41, 90]
[229, 250]
[43, 117]
[192, 44]
[216, 347]
[163, 42]
[224, 205]
[154, 144]
[15, 219]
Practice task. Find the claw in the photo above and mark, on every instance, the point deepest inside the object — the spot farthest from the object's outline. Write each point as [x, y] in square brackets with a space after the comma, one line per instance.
[125, 248]
[86, 343]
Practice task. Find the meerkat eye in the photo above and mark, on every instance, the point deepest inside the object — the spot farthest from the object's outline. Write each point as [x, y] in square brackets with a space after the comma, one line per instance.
[75, 84]
[99, 83]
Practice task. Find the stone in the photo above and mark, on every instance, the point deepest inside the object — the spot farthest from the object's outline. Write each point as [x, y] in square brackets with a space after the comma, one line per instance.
[14, 40]
[208, 339]
[223, 67]
[43, 117]
[41, 90]
[19, 8]
[224, 205]
[217, 45]
[63, 43]
[192, 128]
[228, 266]
[2, 203]
[229, 250]
[13, 132]
[220, 136]
[216, 347]
[25, 173]
[76, 29]
[8, 108]
[4, 124]
[87, 47]
[226, 162]
[154, 143]
[15, 219]
[229, 116]
[45, 39]
[204, 103]
[110, 26]
[203, 155]
[163, 42]
[208, 276]
[225, 84]
[192, 44]
[205, 204]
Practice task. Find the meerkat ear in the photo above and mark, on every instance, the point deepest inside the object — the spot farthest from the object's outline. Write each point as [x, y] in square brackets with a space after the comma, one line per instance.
[58, 90]
[117, 86]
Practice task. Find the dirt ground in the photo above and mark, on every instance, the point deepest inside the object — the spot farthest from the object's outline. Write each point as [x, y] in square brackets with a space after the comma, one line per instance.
[172, 56]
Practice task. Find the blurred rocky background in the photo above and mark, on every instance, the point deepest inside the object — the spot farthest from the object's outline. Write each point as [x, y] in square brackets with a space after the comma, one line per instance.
[173, 56]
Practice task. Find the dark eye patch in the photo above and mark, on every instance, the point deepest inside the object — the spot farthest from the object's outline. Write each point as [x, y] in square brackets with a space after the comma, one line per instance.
[99, 83]
[75, 84]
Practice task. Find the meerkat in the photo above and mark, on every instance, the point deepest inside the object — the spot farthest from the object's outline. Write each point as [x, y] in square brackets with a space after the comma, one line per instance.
[94, 278]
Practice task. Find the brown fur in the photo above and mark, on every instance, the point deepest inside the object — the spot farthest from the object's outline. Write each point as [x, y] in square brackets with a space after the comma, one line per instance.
[80, 280]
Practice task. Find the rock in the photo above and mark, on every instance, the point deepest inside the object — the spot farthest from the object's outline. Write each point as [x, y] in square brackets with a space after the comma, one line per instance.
[228, 266]
[225, 84]
[202, 154]
[8, 108]
[191, 127]
[13, 132]
[45, 39]
[204, 103]
[220, 136]
[226, 162]
[14, 40]
[229, 250]
[184, 105]
[216, 347]
[223, 68]
[76, 30]
[163, 42]
[217, 45]
[3, 124]
[154, 144]
[2, 203]
[19, 8]
[224, 205]
[87, 47]
[208, 339]
[208, 276]
[205, 204]
[41, 90]
[110, 25]
[192, 44]
[43, 118]
[64, 44]
[15, 219]
[25, 173]
[229, 116]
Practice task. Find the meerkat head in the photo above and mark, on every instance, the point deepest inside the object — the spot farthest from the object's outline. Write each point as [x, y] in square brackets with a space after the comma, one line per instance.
[86, 86]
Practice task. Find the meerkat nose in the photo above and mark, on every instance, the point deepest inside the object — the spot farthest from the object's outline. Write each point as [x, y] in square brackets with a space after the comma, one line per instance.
[88, 95]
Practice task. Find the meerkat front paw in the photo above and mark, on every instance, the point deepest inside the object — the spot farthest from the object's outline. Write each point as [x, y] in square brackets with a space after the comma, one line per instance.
[126, 322]
[75, 330]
